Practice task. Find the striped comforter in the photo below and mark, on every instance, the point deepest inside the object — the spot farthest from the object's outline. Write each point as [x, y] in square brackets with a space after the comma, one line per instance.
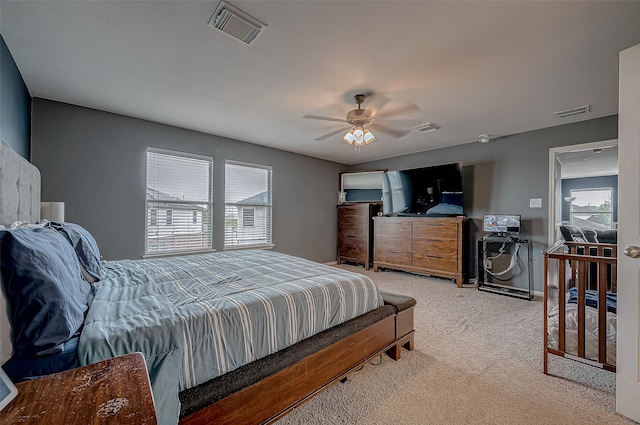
[197, 317]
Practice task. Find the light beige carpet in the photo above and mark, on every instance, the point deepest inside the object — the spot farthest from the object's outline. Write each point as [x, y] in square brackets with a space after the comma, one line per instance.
[477, 360]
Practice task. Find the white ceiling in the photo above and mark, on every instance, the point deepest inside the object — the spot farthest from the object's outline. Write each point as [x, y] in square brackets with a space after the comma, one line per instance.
[589, 163]
[472, 68]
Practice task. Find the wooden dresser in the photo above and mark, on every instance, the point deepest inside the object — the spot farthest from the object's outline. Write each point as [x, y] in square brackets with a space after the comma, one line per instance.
[355, 232]
[429, 245]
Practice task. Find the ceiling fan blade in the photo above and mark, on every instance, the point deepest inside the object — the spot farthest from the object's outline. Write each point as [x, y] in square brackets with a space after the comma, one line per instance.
[405, 123]
[319, 117]
[397, 133]
[404, 109]
[376, 103]
[333, 133]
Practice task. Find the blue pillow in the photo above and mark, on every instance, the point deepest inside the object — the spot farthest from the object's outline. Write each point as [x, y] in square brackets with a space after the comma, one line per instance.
[454, 198]
[46, 294]
[85, 246]
[591, 299]
[446, 209]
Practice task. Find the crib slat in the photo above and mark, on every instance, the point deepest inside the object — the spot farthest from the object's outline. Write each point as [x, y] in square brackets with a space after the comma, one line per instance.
[562, 303]
[602, 313]
[582, 280]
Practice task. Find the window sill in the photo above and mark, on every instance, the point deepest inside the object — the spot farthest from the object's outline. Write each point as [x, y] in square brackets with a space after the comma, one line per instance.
[178, 253]
[262, 246]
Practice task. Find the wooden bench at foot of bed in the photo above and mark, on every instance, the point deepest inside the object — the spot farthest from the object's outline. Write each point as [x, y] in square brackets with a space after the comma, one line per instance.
[345, 349]
[404, 322]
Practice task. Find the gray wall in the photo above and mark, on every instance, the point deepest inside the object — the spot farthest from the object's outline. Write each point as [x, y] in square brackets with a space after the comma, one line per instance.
[502, 175]
[95, 162]
[15, 104]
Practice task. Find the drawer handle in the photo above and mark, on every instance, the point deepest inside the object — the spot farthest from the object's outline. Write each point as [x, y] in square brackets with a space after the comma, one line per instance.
[395, 252]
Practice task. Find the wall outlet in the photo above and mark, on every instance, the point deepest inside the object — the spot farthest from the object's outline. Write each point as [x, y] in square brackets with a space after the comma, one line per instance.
[535, 203]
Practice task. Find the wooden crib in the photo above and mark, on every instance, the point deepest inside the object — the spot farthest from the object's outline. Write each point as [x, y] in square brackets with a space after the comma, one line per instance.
[580, 294]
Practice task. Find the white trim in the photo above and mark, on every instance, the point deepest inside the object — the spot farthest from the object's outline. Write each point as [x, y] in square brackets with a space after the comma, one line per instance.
[177, 253]
[236, 247]
[553, 155]
[248, 164]
[179, 153]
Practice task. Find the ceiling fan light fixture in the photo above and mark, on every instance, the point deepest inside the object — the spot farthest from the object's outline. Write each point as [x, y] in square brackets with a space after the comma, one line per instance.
[349, 137]
[358, 134]
[368, 137]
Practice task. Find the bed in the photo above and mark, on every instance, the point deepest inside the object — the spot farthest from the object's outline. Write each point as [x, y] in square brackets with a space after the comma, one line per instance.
[580, 303]
[298, 326]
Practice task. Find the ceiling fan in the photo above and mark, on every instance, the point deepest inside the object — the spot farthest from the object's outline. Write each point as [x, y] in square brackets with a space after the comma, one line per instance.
[362, 121]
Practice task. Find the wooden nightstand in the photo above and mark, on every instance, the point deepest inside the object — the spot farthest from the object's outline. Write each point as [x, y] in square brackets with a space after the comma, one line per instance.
[114, 391]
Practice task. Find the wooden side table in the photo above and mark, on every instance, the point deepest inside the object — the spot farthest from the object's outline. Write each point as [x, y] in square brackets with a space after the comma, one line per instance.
[114, 391]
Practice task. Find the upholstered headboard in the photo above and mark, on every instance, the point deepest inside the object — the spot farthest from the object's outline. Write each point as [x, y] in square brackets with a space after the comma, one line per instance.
[19, 201]
[19, 188]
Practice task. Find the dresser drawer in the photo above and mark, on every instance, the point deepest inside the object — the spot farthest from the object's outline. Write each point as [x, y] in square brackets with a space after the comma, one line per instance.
[392, 243]
[347, 233]
[351, 251]
[393, 227]
[435, 228]
[435, 248]
[392, 257]
[353, 215]
[444, 264]
[390, 249]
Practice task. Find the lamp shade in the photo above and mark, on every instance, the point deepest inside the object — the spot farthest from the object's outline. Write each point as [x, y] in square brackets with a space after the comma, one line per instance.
[358, 136]
[52, 211]
[368, 137]
[349, 138]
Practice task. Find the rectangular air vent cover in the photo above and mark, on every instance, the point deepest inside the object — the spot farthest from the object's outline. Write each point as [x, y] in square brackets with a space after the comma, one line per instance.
[235, 23]
[427, 127]
[573, 111]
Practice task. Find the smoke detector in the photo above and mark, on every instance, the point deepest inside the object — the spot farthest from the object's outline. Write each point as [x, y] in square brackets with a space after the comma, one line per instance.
[236, 23]
[484, 138]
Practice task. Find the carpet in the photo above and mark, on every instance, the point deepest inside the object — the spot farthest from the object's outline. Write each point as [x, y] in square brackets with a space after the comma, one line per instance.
[477, 360]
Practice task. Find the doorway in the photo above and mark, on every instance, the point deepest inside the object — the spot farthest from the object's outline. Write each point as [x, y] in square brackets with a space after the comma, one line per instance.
[589, 163]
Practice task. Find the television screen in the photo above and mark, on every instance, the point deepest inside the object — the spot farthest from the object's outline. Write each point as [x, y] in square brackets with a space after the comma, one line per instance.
[501, 223]
[434, 190]
[396, 192]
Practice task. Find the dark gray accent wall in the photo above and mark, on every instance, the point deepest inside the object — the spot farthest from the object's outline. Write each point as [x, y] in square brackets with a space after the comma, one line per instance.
[15, 105]
[95, 162]
[502, 175]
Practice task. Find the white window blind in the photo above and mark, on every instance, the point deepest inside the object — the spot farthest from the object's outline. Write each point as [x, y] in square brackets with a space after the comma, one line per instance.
[179, 202]
[247, 198]
[592, 208]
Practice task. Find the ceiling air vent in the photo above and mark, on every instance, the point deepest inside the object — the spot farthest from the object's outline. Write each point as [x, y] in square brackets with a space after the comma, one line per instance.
[235, 23]
[427, 127]
[573, 111]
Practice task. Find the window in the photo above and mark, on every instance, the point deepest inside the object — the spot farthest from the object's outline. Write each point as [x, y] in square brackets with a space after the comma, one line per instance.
[153, 217]
[179, 202]
[247, 205]
[592, 208]
[248, 217]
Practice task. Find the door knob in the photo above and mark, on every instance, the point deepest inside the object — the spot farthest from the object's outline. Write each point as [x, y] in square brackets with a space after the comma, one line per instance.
[632, 251]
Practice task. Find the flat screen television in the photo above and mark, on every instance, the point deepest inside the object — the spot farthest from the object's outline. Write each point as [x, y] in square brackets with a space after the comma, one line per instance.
[501, 223]
[434, 190]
